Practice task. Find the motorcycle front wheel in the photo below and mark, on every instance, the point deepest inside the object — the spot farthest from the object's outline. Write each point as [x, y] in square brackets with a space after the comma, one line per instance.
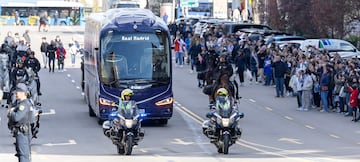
[226, 140]
[120, 149]
[129, 145]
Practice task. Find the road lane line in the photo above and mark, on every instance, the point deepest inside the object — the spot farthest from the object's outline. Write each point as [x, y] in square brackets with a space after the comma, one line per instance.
[73, 81]
[310, 127]
[334, 136]
[68, 75]
[77, 87]
[268, 108]
[240, 142]
[288, 117]
[51, 112]
[252, 100]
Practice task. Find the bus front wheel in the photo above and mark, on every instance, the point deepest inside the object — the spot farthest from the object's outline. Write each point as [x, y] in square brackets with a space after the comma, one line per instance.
[91, 111]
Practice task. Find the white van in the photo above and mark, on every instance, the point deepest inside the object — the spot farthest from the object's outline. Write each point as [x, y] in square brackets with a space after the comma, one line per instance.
[343, 48]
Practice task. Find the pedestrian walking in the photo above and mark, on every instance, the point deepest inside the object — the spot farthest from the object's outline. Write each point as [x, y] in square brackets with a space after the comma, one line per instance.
[60, 56]
[43, 49]
[280, 68]
[50, 53]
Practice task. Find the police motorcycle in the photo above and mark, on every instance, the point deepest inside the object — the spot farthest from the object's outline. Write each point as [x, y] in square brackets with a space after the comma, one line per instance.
[124, 127]
[223, 127]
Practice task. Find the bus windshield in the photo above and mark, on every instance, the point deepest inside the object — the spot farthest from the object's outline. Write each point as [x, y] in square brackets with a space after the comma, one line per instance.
[135, 58]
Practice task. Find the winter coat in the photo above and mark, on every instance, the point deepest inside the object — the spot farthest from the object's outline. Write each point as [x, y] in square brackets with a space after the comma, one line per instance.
[353, 96]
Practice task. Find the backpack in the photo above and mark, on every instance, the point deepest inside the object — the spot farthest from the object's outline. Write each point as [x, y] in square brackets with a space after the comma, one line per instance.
[61, 55]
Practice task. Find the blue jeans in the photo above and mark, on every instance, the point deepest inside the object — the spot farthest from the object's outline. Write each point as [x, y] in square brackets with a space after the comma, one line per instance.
[72, 58]
[268, 78]
[341, 103]
[324, 99]
[347, 103]
[179, 58]
[279, 82]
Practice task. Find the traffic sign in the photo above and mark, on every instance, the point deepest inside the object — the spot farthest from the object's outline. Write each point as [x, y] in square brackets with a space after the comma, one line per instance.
[189, 3]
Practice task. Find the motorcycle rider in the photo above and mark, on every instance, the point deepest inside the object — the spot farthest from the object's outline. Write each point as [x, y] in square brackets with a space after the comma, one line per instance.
[126, 100]
[34, 64]
[222, 99]
[124, 104]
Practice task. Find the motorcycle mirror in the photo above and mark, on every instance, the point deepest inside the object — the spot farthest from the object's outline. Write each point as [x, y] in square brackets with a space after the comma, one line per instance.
[209, 115]
[241, 115]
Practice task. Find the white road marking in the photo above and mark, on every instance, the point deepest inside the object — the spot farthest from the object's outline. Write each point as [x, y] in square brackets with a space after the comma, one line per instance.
[69, 75]
[334, 136]
[82, 93]
[310, 127]
[77, 87]
[287, 117]
[51, 112]
[70, 142]
[268, 108]
[143, 150]
[291, 140]
[181, 142]
[73, 81]
[251, 100]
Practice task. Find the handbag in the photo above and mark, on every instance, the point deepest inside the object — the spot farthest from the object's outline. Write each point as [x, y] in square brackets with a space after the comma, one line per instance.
[247, 74]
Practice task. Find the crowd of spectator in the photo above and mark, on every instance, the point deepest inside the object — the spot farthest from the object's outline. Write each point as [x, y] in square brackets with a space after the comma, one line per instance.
[318, 81]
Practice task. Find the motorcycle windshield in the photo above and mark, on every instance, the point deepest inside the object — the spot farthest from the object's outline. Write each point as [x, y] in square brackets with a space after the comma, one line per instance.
[127, 109]
[223, 106]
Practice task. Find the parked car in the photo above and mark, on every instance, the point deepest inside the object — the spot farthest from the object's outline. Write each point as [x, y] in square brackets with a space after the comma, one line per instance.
[234, 27]
[342, 47]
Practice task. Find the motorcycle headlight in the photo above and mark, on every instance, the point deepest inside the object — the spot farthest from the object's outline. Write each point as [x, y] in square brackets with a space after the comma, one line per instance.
[129, 123]
[225, 122]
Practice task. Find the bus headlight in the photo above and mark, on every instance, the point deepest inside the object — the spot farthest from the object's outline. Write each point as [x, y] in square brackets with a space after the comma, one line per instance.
[106, 102]
[166, 101]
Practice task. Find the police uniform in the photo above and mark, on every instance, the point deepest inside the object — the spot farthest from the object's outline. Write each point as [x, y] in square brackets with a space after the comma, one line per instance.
[21, 119]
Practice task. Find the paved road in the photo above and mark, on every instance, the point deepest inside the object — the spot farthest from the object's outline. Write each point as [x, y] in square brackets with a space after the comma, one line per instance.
[273, 129]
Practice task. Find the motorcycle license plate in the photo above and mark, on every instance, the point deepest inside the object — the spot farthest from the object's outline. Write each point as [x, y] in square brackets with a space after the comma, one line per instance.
[141, 111]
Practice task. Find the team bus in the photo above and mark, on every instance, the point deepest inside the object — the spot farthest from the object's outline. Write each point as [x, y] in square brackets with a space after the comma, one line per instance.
[128, 48]
[69, 13]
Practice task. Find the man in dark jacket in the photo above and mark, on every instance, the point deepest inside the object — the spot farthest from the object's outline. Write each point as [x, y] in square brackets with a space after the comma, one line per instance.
[43, 49]
[50, 53]
[34, 64]
[194, 51]
[280, 68]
